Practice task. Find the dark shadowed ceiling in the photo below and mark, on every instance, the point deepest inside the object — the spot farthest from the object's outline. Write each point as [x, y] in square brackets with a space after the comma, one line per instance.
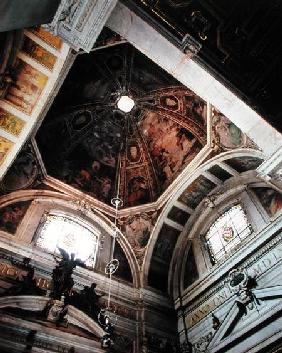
[240, 42]
[88, 143]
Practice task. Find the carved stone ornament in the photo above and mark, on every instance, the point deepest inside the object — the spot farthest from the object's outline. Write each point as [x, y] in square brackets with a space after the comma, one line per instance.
[241, 284]
[56, 312]
[79, 22]
[201, 345]
[237, 279]
[190, 46]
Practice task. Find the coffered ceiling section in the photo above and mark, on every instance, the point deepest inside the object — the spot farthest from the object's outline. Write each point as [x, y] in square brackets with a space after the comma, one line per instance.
[92, 142]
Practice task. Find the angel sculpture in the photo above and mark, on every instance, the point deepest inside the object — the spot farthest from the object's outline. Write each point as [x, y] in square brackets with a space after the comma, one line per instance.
[62, 281]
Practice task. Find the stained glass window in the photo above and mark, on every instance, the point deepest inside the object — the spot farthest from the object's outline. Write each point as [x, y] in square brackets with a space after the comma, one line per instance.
[227, 231]
[70, 234]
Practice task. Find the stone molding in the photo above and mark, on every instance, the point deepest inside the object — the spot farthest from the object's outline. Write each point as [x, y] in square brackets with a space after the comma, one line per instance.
[221, 286]
[35, 303]
[273, 164]
[79, 22]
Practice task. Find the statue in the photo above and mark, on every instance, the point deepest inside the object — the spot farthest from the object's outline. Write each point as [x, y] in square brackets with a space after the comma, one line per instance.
[87, 301]
[62, 281]
[56, 311]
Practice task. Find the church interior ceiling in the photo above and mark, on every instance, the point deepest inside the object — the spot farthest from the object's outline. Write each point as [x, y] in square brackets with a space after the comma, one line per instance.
[88, 143]
[172, 158]
[240, 43]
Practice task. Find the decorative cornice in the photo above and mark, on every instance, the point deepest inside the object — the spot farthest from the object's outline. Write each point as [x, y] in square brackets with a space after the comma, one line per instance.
[79, 22]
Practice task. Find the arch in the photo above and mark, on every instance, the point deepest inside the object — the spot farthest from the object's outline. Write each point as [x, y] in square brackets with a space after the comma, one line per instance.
[203, 218]
[93, 215]
[179, 189]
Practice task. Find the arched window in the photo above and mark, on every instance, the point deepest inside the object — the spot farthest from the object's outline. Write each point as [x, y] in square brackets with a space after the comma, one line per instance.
[227, 231]
[69, 233]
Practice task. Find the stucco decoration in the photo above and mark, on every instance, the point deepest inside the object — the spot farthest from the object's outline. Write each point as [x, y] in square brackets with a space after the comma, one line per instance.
[37, 304]
[79, 22]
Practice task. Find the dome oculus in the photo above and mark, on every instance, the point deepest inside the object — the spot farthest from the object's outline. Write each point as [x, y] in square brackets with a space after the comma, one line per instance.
[125, 104]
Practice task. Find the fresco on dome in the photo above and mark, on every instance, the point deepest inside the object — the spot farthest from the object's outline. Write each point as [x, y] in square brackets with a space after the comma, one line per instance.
[47, 37]
[197, 191]
[133, 152]
[171, 146]
[137, 187]
[195, 108]
[5, 147]
[11, 123]
[180, 99]
[12, 215]
[88, 163]
[25, 92]
[169, 102]
[270, 199]
[38, 53]
[88, 143]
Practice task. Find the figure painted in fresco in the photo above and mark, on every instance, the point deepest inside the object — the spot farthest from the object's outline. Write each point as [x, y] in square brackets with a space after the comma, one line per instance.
[133, 153]
[229, 135]
[196, 108]
[270, 199]
[138, 192]
[95, 180]
[11, 216]
[29, 85]
[5, 146]
[169, 102]
[138, 230]
[171, 146]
